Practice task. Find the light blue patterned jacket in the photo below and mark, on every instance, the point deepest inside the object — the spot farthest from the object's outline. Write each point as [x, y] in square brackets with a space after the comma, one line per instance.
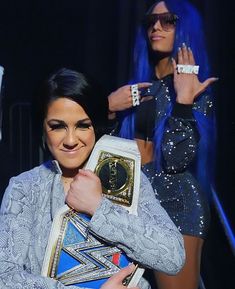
[29, 205]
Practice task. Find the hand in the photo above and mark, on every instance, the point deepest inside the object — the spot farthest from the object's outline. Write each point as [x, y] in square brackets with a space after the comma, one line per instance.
[85, 193]
[187, 86]
[121, 98]
[115, 282]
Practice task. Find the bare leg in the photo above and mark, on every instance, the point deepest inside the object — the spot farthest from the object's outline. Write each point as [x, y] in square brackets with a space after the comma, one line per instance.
[188, 277]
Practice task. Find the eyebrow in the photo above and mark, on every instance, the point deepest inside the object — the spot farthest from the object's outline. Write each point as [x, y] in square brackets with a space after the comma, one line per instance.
[63, 122]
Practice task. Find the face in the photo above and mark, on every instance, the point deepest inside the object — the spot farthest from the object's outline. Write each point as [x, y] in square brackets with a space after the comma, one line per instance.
[161, 40]
[69, 134]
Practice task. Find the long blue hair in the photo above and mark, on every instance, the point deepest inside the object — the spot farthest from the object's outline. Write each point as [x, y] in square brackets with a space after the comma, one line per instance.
[189, 30]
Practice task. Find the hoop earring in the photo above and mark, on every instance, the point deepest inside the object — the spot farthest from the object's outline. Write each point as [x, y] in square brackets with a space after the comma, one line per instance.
[44, 145]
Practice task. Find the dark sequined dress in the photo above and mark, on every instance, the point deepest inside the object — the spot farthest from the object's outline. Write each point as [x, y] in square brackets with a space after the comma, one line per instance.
[176, 188]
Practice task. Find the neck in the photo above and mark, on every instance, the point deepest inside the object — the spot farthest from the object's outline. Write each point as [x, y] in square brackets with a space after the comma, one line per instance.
[163, 67]
[69, 173]
[67, 177]
[66, 183]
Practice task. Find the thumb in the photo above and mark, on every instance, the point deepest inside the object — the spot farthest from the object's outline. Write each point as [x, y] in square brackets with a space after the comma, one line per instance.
[123, 273]
[146, 98]
[209, 81]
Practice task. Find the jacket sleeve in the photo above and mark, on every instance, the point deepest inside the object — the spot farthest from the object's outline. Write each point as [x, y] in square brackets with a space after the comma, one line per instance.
[16, 221]
[180, 139]
[150, 238]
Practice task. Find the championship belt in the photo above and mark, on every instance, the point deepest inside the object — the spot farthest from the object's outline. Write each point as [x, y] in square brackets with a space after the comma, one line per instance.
[77, 257]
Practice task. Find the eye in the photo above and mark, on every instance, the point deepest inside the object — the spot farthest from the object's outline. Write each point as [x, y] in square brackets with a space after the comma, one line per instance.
[84, 125]
[170, 20]
[56, 126]
[150, 20]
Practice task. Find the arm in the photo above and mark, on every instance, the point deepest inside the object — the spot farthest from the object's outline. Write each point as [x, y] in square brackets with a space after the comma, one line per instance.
[17, 267]
[150, 238]
[180, 139]
[121, 100]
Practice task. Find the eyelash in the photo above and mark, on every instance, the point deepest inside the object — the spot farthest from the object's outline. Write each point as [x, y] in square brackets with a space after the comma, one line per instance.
[56, 126]
[82, 126]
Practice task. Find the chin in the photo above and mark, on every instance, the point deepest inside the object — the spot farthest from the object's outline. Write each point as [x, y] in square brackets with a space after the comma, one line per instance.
[159, 49]
[71, 166]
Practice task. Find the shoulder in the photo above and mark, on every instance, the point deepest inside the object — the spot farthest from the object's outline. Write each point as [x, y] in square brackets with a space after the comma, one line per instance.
[37, 173]
[146, 188]
[28, 185]
[144, 180]
[32, 181]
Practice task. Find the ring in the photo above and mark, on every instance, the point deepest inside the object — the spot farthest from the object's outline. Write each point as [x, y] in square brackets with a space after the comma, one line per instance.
[135, 95]
[189, 69]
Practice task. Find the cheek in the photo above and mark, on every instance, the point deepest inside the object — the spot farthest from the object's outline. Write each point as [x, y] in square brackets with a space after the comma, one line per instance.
[171, 41]
[88, 138]
[91, 139]
[52, 139]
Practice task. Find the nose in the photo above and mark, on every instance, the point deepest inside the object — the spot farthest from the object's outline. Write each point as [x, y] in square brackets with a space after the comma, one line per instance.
[71, 139]
[157, 25]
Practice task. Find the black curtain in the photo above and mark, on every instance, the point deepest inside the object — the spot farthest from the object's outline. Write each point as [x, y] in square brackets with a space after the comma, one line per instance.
[96, 37]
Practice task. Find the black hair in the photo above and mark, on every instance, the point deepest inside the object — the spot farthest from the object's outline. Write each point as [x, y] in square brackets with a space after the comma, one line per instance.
[78, 87]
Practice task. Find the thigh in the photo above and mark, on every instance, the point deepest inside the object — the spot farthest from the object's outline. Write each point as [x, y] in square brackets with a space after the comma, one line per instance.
[188, 277]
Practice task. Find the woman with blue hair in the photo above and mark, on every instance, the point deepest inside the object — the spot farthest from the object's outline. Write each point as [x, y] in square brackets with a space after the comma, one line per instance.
[169, 111]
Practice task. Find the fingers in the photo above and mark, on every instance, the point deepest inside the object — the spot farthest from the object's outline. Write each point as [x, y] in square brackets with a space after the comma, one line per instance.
[185, 55]
[144, 84]
[125, 97]
[191, 57]
[173, 63]
[174, 67]
[86, 173]
[180, 56]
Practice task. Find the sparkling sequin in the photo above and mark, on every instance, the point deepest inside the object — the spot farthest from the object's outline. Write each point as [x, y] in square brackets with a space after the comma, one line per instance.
[183, 200]
[176, 188]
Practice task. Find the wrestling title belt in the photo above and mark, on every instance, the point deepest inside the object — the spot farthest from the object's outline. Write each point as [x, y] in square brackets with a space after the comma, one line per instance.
[76, 257]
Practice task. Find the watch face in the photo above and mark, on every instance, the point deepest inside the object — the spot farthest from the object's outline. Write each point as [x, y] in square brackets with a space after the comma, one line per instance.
[116, 174]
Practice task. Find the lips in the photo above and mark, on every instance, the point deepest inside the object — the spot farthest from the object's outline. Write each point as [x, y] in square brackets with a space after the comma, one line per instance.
[71, 152]
[156, 37]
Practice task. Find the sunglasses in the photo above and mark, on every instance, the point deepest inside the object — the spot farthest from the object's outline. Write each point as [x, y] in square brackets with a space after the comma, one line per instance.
[167, 20]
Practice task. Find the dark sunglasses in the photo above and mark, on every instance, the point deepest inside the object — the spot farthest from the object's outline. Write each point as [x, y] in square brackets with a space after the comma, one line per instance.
[167, 20]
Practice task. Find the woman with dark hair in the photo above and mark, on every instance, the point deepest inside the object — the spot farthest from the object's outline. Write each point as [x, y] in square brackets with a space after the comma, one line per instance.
[29, 205]
[174, 126]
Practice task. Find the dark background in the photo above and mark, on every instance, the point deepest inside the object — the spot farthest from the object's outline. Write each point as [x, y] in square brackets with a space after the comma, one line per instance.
[39, 36]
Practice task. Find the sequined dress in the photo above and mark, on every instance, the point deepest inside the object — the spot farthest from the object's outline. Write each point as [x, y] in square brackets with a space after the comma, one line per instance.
[176, 188]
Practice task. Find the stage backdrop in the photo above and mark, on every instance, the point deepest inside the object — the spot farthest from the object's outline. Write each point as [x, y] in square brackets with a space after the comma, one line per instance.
[96, 37]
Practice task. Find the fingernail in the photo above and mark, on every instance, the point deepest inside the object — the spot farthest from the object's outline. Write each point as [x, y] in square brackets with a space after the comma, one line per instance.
[189, 48]
[183, 45]
[179, 48]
